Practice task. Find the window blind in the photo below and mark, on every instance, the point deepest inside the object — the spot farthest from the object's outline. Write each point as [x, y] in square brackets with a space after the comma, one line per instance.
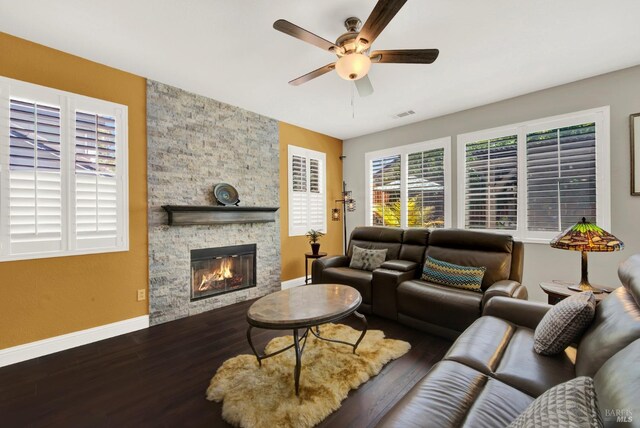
[491, 182]
[95, 176]
[35, 200]
[385, 183]
[63, 173]
[425, 189]
[561, 177]
[316, 197]
[298, 205]
[307, 195]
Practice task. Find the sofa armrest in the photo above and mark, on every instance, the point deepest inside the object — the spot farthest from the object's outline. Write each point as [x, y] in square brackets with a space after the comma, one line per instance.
[504, 288]
[383, 291]
[323, 263]
[520, 312]
[399, 265]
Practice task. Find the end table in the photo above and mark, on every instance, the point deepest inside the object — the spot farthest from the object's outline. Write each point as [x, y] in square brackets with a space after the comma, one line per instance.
[311, 256]
[559, 290]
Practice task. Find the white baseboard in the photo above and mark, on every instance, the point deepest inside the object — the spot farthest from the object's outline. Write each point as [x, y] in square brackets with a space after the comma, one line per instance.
[295, 282]
[39, 348]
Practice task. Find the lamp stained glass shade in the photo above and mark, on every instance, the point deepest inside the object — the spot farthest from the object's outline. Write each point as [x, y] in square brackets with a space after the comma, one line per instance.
[586, 236]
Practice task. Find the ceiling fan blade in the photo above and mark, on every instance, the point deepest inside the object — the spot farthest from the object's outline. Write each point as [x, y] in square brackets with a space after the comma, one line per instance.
[312, 75]
[364, 86]
[304, 35]
[382, 14]
[405, 56]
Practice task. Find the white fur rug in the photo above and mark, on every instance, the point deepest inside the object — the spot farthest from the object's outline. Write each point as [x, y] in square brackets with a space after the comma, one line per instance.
[264, 396]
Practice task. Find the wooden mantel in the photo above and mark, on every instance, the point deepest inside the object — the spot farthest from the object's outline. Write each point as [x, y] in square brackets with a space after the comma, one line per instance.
[184, 215]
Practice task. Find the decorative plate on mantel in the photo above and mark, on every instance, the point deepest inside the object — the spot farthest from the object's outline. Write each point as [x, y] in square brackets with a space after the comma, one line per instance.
[226, 194]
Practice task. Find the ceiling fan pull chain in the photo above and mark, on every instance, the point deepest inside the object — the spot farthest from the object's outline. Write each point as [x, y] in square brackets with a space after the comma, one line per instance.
[353, 103]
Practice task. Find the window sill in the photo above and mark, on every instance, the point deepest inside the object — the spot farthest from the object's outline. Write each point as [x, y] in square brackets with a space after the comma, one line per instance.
[54, 254]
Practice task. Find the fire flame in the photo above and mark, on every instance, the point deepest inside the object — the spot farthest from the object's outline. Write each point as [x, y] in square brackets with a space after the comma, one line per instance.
[222, 273]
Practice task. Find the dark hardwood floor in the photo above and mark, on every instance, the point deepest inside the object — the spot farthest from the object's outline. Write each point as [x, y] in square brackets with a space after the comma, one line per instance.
[158, 377]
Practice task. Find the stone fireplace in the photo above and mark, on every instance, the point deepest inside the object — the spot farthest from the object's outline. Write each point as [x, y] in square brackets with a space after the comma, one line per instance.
[194, 143]
[222, 270]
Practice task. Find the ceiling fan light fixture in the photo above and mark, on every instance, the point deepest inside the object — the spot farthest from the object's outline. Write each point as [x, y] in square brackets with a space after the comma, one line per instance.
[353, 66]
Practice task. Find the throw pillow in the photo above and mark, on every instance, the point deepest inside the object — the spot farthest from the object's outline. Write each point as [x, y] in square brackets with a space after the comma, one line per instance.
[452, 275]
[365, 259]
[568, 405]
[564, 323]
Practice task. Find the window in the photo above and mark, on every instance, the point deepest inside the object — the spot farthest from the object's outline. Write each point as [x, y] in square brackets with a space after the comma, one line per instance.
[307, 191]
[63, 165]
[535, 179]
[491, 179]
[408, 186]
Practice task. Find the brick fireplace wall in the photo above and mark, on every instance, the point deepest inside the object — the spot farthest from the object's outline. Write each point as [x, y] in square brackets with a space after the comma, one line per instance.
[195, 142]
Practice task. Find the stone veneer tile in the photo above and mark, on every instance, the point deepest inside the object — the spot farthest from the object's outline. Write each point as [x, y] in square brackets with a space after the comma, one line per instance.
[194, 143]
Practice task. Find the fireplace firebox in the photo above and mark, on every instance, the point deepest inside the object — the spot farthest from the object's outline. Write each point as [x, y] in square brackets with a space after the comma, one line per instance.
[222, 270]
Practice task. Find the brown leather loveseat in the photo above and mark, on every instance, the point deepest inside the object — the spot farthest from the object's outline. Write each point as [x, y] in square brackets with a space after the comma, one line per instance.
[492, 373]
[395, 291]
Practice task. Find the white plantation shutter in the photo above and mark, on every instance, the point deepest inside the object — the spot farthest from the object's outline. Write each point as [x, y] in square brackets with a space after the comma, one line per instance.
[63, 173]
[298, 195]
[307, 191]
[317, 197]
[491, 184]
[35, 204]
[385, 179]
[537, 178]
[425, 189]
[561, 177]
[95, 174]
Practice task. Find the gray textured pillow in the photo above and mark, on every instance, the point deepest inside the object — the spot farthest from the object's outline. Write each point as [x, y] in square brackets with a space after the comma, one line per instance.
[365, 259]
[572, 404]
[564, 323]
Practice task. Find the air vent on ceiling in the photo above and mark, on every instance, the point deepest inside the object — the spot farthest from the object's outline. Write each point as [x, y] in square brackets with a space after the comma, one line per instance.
[403, 114]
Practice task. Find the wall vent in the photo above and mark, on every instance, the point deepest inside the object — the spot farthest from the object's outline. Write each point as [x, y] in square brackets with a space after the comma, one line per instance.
[403, 114]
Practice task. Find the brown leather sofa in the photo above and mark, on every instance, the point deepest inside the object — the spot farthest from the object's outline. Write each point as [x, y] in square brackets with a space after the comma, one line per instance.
[448, 311]
[395, 291]
[405, 251]
[491, 373]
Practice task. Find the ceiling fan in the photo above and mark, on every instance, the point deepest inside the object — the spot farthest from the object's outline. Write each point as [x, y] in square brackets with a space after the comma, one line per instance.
[353, 47]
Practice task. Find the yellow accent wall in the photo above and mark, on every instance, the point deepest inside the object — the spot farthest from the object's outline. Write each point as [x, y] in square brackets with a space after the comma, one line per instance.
[49, 297]
[294, 247]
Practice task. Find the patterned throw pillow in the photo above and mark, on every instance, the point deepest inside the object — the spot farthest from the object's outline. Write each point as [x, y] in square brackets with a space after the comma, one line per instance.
[572, 404]
[564, 323]
[365, 259]
[449, 274]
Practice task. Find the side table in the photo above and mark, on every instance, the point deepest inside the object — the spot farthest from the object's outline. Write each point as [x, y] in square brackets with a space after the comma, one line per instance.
[311, 256]
[559, 290]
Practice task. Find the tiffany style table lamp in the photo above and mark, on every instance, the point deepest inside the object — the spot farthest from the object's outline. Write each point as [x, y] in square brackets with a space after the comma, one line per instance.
[586, 237]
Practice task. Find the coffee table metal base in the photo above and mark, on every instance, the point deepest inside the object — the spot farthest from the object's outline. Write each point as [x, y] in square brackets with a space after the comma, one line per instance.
[302, 339]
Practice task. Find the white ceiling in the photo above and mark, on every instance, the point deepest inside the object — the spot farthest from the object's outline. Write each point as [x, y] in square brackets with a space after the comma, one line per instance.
[227, 50]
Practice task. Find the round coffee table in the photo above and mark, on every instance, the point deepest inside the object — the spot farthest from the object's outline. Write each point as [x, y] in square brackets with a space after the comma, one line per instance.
[305, 307]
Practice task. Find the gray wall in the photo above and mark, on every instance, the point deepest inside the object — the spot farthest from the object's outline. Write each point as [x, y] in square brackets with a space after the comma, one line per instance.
[193, 143]
[620, 90]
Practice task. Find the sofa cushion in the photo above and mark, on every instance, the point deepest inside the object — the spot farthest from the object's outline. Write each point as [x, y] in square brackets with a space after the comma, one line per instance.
[358, 279]
[505, 351]
[437, 304]
[453, 395]
[414, 244]
[571, 404]
[377, 238]
[564, 323]
[615, 325]
[365, 259]
[452, 275]
[617, 388]
[471, 248]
